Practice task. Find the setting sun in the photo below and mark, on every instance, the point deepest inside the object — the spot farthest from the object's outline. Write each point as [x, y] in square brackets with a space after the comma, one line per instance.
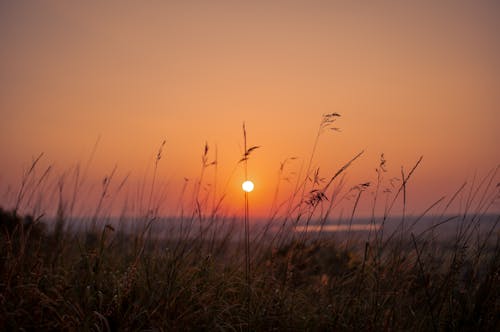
[247, 186]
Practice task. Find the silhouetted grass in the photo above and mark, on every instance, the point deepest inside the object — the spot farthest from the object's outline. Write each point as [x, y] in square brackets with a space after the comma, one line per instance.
[193, 271]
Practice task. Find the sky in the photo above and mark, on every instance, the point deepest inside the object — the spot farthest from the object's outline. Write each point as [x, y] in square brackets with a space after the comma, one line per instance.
[409, 79]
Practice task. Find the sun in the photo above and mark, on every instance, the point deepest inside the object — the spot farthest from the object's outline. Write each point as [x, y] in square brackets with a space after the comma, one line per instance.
[247, 186]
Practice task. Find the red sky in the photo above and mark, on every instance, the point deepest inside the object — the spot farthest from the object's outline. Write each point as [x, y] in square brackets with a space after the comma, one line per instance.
[408, 79]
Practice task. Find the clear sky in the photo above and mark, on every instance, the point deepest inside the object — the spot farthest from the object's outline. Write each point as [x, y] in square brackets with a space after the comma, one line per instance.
[409, 79]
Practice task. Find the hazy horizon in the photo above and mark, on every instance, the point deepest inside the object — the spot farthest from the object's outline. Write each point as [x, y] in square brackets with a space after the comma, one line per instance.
[408, 79]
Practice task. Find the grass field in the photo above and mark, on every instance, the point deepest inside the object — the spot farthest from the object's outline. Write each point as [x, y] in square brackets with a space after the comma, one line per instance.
[293, 272]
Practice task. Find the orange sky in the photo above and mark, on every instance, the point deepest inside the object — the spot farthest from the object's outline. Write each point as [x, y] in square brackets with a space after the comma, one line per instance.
[408, 80]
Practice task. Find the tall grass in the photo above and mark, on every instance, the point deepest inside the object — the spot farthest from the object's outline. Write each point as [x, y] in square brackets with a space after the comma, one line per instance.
[192, 271]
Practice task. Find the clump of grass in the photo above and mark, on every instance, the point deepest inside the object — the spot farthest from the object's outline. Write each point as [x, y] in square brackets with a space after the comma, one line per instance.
[403, 277]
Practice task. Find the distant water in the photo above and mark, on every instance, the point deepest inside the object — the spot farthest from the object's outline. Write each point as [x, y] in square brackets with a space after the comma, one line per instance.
[443, 226]
[338, 228]
[435, 226]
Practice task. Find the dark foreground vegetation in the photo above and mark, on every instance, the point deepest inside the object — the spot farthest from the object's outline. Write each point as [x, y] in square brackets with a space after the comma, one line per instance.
[112, 280]
[209, 273]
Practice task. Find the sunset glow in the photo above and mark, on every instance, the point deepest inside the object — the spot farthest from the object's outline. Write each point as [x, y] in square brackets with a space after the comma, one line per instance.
[94, 86]
[258, 165]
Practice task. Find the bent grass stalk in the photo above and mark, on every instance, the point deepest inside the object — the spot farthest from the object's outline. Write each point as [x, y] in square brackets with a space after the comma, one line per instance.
[247, 228]
[244, 159]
